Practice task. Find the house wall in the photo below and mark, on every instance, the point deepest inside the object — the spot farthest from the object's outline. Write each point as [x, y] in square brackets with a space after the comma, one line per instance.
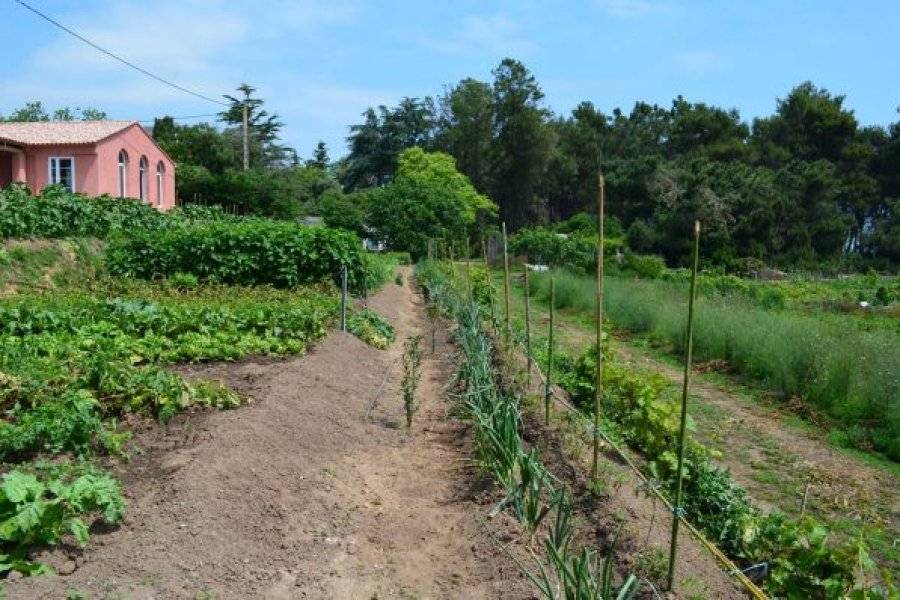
[136, 142]
[38, 173]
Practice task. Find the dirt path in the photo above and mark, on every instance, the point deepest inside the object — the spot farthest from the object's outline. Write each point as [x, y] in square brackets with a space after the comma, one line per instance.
[297, 495]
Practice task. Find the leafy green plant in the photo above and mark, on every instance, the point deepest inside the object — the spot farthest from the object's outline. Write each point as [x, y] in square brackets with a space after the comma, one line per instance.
[42, 503]
[371, 328]
[249, 252]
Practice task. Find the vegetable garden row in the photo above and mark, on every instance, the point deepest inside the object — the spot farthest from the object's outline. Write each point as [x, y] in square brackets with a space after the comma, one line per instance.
[75, 360]
[642, 412]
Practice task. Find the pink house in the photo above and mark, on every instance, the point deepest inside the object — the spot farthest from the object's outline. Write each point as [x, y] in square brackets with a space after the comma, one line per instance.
[118, 158]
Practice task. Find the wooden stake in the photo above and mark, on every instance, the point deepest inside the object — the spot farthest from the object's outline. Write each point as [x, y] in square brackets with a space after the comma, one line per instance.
[598, 383]
[803, 503]
[527, 334]
[344, 298]
[468, 270]
[506, 282]
[549, 356]
[490, 282]
[677, 513]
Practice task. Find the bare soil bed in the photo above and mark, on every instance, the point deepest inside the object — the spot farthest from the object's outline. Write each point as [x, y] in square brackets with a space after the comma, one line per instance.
[298, 495]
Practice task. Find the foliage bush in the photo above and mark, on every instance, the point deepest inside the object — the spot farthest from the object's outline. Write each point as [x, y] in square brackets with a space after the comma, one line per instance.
[371, 328]
[576, 251]
[249, 252]
[645, 266]
[427, 199]
[57, 213]
[379, 269]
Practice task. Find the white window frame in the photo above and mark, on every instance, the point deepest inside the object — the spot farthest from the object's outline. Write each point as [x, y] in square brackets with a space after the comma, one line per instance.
[123, 173]
[143, 179]
[54, 160]
[160, 182]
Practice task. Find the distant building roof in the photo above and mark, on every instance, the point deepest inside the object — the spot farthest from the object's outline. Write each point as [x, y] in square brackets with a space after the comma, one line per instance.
[60, 132]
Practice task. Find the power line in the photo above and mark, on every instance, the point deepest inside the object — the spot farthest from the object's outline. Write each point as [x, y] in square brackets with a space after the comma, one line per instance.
[119, 58]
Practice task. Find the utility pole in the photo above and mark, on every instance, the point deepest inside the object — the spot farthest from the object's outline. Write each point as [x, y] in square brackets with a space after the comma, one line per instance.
[246, 132]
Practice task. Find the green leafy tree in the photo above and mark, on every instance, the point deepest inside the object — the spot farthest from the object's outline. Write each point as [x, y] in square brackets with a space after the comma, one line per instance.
[35, 112]
[345, 211]
[523, 144]
[320, 158]
[384, 133]
[200, 144]
[467, 129]
[428, 199]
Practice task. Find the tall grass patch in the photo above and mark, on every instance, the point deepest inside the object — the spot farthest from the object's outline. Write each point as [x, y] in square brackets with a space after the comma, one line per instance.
[852, 376]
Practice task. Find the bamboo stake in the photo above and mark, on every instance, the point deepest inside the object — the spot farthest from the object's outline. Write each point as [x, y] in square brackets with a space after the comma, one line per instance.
[678, 511]
[527, 334]
[598, 383]
[549, 356]
[468, 270]
[489, 281]
[452, 264]
[803, 503]
[506, 282]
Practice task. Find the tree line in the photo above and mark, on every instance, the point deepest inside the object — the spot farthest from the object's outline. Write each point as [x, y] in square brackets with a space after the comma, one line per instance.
[805, 186]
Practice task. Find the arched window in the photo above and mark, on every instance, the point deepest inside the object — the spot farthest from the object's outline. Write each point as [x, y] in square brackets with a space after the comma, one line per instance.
[143, 167]
[123, 173]
[160, 182]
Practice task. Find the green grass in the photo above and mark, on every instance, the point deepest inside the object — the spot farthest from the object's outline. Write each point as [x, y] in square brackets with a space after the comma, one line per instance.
[852, 376]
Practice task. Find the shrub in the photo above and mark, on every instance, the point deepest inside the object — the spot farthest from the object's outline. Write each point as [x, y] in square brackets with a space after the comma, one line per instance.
[371, 328]
[57, 213]
[379, 269]
[647, 266]
[250, 252]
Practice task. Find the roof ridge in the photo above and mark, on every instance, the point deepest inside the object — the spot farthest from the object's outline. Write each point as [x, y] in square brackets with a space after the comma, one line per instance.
[61, 132]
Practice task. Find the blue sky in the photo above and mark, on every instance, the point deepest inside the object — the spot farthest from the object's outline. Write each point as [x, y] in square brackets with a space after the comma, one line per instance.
[320, 63]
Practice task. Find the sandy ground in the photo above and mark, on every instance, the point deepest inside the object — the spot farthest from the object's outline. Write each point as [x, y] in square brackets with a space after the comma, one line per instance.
[298, 495]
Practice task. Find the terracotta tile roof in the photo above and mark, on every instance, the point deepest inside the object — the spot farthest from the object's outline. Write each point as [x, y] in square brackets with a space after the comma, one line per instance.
[60, 132]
